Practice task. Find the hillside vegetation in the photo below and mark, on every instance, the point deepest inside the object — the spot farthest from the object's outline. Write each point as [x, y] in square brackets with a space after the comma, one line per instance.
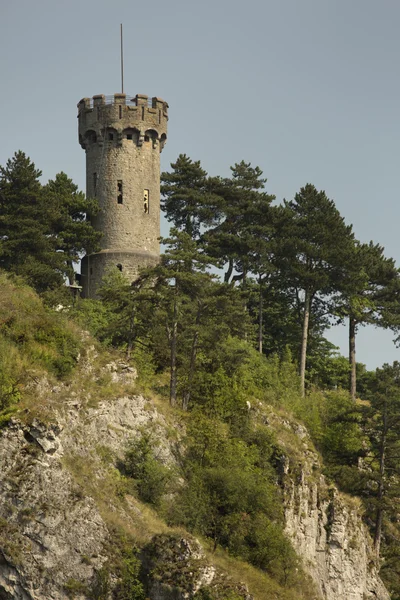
[219, 485]
[216, 353]
[227, 466]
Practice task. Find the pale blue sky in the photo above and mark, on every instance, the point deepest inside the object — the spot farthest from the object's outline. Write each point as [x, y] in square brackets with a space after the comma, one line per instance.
[306, 89]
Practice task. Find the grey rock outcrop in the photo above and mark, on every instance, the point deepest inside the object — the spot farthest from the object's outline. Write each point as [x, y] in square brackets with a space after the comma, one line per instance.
[327, 531]
[53, 534]
[180, 569]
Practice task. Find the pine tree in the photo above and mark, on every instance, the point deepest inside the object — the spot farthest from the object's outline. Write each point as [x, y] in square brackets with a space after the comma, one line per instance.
[185, 196]
[180, 283]
[44, 229]
[315, 243]
[243, 210]
[369, 295]
[70, 213]
[382, 421]
[27, 246]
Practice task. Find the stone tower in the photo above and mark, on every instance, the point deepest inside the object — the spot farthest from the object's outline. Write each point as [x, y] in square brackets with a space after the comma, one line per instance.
[123, 137]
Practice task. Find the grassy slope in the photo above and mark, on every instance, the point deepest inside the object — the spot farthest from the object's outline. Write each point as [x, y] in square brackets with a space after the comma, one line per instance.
[39, 345]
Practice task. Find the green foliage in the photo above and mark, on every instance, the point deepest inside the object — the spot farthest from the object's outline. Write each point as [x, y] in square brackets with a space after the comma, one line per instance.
[70, 212]
[32, 337]
[185, 196]
[151, 477]
[216, 594]
[390, 570]
[93, 316]
[26, 246]
[230, 494]
[370, 286]
[74, 587]
[129, 586]
[9, 366]
[334, 423]
[100, 588]
[241, 237]
[44, 228]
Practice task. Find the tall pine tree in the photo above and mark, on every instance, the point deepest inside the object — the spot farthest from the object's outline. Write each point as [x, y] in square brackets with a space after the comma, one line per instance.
[315, 244]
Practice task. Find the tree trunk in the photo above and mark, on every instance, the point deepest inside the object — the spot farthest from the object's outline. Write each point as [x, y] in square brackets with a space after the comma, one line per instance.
[229, 272]
[131, 335]
[71, 272]
[173, 342]
[260, 318]
[193, 354]
[303, 354]
[381, 486]
[352, 358]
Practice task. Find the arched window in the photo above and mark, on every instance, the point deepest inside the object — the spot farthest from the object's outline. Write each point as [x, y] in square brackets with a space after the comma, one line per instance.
[163, 139]
[91, 136]
[131, 134]
[111, 134]
[151, 135]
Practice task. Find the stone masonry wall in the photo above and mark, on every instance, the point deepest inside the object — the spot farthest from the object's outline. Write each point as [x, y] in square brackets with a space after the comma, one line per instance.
[123, 142]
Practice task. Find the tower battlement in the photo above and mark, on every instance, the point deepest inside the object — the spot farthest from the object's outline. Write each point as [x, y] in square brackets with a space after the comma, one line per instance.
[122, 137]
[121, 113]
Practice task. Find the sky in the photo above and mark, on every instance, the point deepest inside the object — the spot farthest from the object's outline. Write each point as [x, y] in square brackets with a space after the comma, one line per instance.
[308, 90]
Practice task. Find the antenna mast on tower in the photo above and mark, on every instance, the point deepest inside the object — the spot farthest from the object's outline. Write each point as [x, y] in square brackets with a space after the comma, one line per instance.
[122, 64]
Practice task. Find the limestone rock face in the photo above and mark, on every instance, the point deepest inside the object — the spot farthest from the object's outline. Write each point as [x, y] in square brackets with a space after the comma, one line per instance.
[179, 569]
[51, 532]
[54, 537]
[46, 525]
[327, 531]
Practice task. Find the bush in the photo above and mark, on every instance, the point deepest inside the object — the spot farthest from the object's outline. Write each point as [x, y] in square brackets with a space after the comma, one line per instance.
[94, 316]
[231, 497]
[130, 587]
[151, 477]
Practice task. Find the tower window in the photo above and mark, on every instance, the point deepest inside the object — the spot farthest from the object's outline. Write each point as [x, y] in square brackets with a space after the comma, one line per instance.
[95, 183]
[119, 267]
[110, 136]
[119, 190]
[146, 205]
[146, 138]
[120, 111]
[129, 136]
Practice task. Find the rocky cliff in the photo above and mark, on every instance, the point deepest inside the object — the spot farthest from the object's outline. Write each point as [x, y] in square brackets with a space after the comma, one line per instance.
[62, 502]
[326, 528]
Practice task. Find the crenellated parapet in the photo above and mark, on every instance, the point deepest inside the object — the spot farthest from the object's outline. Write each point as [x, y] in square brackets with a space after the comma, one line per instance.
[113, 119]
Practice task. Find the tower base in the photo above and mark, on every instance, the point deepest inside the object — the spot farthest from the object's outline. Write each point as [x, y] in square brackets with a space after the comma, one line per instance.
[95, 266]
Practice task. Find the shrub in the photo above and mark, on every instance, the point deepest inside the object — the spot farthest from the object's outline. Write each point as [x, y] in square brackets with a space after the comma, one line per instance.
[151, 477]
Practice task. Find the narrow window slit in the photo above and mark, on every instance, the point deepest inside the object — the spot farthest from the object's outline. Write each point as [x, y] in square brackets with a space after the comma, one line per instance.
[146, 205]
[119, 189]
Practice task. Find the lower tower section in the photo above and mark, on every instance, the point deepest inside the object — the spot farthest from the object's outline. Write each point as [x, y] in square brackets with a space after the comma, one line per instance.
[123, 137]
[95, 266]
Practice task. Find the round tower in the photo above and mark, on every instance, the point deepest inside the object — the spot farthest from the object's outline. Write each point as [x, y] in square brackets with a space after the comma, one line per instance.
[123, 137]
